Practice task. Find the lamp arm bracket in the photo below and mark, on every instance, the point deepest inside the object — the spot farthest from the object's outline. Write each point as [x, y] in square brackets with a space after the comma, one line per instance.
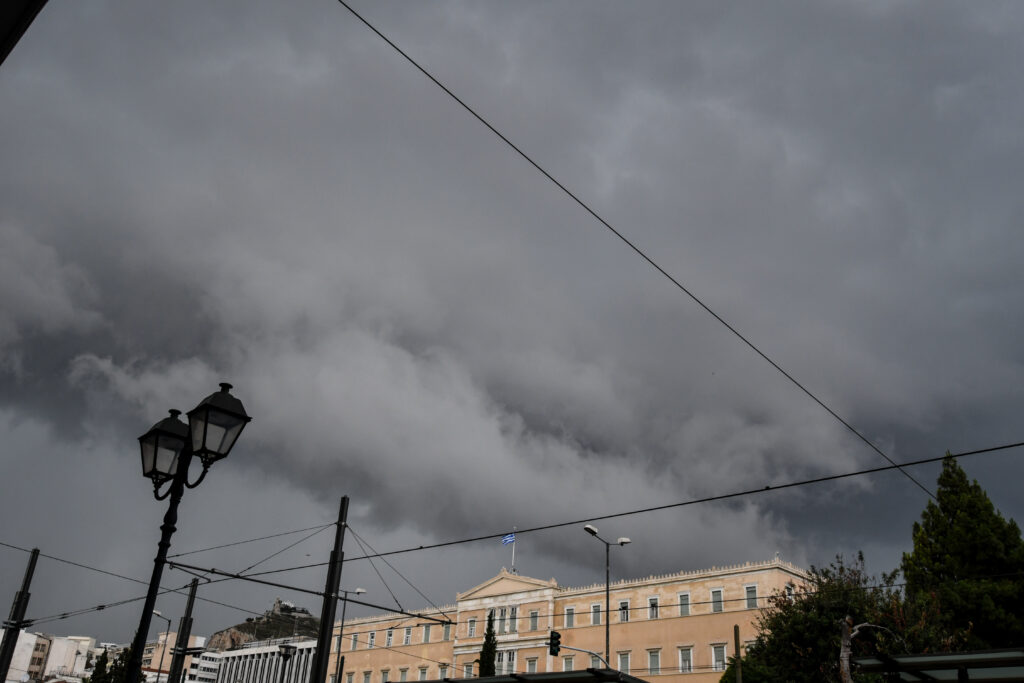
[161, 496]
[206, 468]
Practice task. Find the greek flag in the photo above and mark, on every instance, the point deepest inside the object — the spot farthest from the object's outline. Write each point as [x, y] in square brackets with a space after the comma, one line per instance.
[508, 538]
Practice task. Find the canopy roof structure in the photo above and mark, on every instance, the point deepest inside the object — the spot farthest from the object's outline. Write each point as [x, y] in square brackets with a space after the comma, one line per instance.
[982, 665]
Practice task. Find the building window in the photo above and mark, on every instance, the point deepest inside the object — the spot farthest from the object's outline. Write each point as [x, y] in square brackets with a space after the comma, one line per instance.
[789, 592]
[332, 679]
[533, 620]
[570, 617]
[423, 673]
[388, 638]
[426, 633]
[467, 670]
[623, 611]
[567, 664]
[501, 620]
[349, 676]
[447, 631]
[385, 675]
[716, 600]
[510, 662]
[684, 604]
[685, 660]
[442, 671]
[751, 597]
[531, 665]
[513, 619]
[654, 661]
[718, 657]
[407, 638]
[355, 641]
[624, 662]
[652, 608]
[403, 674]
[373, 639]
[470, 628]
[595, 662]
[366, 677]
[595, 615]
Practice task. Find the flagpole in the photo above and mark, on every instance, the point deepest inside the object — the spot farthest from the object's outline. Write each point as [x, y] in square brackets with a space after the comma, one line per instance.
[513, 550]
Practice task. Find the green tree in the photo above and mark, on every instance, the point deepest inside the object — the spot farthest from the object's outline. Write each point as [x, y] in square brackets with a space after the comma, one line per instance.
[799, 636]
[117, 672]
[99, 669]
[489, 649]
[965, 571]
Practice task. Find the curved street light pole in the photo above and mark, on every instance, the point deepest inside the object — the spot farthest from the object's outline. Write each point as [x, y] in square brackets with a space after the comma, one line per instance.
[167, 451]
[163, 650]
[339, 660]
[592, 530]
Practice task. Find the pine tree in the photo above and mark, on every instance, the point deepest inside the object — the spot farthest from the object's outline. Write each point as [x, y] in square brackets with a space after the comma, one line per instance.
[99, 669]
[489, 649]
[117, 672]
[966, 567]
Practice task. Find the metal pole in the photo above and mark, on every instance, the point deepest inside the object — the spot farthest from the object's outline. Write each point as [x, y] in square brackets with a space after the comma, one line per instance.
[339, 662]
[184, 633]
[607, 602]
[13, 626]
[736, 643]
[318, 672]
[163, 651]
[167, 530]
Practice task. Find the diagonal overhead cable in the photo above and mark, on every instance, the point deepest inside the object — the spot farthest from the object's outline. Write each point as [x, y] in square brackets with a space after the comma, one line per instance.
[625, 240]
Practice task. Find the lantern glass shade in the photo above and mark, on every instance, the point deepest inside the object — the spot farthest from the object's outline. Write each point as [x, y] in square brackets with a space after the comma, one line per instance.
[216, 424]
[161, 448]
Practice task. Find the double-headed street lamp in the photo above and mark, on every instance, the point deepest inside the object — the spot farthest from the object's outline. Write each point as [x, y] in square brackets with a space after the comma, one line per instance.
[167, 450]
[592, 530]
[339, 660]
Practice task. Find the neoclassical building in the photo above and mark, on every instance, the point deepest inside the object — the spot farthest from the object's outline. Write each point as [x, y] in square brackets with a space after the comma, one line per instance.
[674, 628]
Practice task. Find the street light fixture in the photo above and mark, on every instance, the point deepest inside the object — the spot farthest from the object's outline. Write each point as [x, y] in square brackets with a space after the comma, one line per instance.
[167, 634]
[339, 660]
[622, 540]
[167, 450]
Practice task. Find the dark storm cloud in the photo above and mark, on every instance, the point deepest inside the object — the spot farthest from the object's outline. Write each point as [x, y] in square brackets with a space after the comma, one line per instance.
[415, 317]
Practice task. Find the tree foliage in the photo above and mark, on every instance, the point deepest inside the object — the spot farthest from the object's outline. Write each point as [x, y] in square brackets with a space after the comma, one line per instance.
[117, 671]
[489, 649]
[966, 568]
[99, 669]
[799, 636]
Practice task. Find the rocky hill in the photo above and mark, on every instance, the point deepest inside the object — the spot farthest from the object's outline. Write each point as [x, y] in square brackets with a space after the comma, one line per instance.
[283, 620]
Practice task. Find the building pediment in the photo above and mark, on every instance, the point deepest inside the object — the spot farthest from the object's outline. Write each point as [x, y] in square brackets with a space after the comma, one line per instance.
[506, 583]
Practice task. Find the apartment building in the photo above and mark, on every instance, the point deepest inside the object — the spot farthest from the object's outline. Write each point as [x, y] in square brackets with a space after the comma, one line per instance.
[673, 628]
[157, 657]
[284, 660]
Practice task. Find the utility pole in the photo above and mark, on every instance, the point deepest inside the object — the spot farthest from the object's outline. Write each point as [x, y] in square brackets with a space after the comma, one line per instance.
[318, 673]
[736, 644]
[13, 625]
[184, 633]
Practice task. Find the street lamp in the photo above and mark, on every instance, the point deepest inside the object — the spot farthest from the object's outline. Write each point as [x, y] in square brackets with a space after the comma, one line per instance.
[167, 450]
[167, 634]
[339, 660]
[622, 540]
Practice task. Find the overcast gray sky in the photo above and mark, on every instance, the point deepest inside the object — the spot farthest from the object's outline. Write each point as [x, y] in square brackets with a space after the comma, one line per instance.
[266, 193]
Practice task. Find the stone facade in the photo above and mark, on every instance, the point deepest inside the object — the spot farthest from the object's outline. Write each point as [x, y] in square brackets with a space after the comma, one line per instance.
[674, 628]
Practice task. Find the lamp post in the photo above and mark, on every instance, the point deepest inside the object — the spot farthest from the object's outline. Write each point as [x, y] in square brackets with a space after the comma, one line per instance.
[622, 540]
[167, 450]
[167, 634]
[341, 630]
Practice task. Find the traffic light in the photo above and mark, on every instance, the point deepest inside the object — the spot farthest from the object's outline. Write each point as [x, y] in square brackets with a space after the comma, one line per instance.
[555, 644]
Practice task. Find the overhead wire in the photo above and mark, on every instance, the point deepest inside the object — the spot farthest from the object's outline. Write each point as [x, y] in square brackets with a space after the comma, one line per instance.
[700, 302]
[667, 506]
[251, 540]
[363, 541]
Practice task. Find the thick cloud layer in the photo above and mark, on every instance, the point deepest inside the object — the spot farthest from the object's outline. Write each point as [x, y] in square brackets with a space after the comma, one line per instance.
[417, 318]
